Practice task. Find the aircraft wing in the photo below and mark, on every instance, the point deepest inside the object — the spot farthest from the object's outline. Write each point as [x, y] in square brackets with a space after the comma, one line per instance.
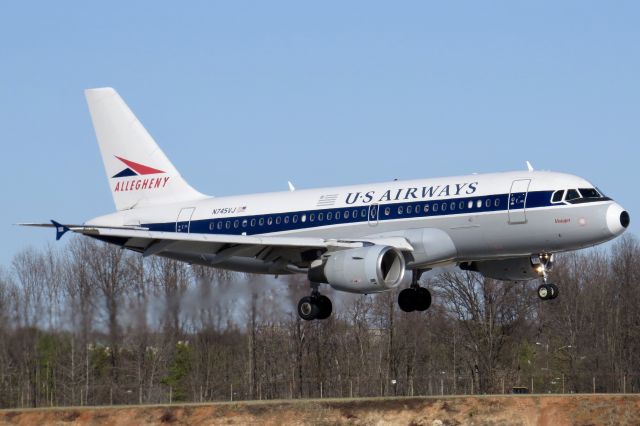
[221, 246]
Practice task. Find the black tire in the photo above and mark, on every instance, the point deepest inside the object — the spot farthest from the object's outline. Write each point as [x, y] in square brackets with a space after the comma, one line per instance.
[423, 299]
[544, 292]
[554, 290]
[325, 307]
[407, 300]
[308, 309]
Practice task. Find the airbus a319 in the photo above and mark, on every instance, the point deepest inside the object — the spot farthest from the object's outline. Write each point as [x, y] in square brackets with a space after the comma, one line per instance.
[360, 239]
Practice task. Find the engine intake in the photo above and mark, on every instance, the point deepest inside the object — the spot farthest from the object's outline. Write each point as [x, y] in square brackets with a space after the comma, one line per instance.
[369, 269]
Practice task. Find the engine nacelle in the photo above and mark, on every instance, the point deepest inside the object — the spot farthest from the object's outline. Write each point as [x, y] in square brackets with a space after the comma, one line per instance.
[371, 269]
[518, 269]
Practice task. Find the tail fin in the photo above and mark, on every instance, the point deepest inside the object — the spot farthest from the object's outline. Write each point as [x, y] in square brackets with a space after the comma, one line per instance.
[139, 173]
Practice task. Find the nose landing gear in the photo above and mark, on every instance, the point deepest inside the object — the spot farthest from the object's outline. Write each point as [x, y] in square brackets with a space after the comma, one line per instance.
[547, 290]
[414, 298]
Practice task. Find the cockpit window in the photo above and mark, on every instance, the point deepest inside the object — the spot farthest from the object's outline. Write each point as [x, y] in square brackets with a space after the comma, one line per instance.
[572, 194]
[584, 195]
[589, 193]
[557, 196]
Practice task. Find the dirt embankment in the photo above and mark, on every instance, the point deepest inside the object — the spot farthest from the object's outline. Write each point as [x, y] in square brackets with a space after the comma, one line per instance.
[540, 410]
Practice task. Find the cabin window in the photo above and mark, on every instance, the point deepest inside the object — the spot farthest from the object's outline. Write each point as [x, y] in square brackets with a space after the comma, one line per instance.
[261, 221]
[253, 223]
[303, 218]
[496, 202]
[452, 206]
[363, 213]
[400, 210]
[236, 223]
[337, 215]
[270, 221]
[329, 216]
[278, 220]
[346, 214]
[409, 209]
[286, 219]
[435, 207]
[295, 218]
[245, 223]
[426, 208]
[320, 217]
[354, 213]
[487, 203]
[312, 217]
[228, 224]
[461, 205]
[470, 205]
[220, 225]
[443, 207]
[387, 211]
[479, 203]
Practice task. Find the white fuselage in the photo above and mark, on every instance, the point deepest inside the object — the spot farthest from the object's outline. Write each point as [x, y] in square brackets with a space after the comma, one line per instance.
[486, 216]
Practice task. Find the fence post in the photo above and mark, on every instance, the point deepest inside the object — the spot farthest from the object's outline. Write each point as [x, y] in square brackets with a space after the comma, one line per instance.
[503, 385]
[531, 384]
[350, 388]
[231, 393]
[624, 384]
[441, 386]
[170, 394]
[562, 382]
[594, 384]
[320, 390]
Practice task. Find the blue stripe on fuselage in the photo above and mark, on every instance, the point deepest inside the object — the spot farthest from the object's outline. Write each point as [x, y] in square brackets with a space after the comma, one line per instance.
[250, 224]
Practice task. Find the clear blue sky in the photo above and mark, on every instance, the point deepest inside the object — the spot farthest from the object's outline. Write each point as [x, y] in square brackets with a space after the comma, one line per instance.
[243, 96]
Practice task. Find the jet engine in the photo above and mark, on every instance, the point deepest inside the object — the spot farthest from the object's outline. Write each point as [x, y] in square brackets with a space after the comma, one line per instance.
[518, 269]
[363, 270]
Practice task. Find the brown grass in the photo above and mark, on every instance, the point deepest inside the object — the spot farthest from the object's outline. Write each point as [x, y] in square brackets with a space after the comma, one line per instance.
[538, 410]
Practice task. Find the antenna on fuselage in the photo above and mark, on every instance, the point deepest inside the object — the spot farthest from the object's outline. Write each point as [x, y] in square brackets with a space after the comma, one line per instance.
[529, 166]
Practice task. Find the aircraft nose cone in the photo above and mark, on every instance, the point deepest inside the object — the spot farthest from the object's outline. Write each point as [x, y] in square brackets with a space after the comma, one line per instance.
[624, 219]
[617, 219]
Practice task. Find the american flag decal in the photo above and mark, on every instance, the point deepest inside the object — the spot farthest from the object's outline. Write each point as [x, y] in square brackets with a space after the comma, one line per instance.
[327, 200]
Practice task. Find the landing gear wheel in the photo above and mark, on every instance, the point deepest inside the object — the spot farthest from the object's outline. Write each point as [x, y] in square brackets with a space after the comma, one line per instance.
[548, 291]
[423, 299]
[325, 307]
[544, 292]
[308, 308]
[554, 291]
[407, 300]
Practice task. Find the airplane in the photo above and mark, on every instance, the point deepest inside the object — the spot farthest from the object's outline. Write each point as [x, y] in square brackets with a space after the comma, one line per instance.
[361, 239]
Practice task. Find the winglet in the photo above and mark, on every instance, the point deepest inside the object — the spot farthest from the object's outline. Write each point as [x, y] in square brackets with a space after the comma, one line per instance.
[529, 166]
[60, 229]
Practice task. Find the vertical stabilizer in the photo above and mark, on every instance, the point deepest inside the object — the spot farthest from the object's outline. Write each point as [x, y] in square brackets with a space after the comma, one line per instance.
[139, 173]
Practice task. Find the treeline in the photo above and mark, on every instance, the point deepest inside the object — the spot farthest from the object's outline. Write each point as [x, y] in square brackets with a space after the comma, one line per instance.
[89, 324]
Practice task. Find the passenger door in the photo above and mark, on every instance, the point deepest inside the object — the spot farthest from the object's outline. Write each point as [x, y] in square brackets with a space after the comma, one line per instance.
[183, 223]
[518, 201]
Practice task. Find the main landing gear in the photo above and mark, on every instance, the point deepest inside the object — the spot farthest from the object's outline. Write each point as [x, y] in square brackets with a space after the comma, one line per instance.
[414, 298]
[547, 290]
[315, 306]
